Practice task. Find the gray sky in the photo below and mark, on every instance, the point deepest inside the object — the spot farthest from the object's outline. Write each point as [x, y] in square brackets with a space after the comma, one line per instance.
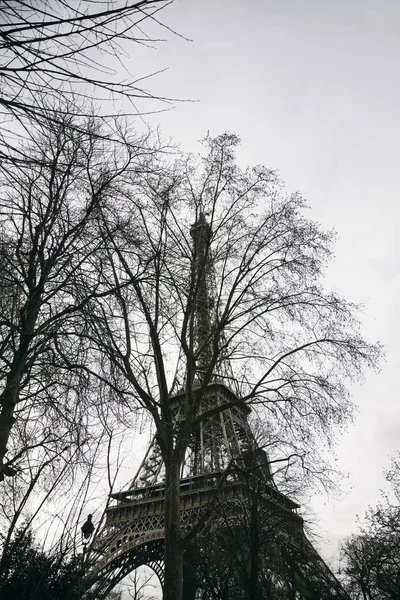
[312, 87]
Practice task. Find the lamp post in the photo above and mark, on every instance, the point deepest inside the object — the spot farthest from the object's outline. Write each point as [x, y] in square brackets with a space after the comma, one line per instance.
[87, 530]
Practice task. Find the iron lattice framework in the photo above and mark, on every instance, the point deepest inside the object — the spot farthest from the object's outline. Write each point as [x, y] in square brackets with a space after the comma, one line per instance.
[222, 449]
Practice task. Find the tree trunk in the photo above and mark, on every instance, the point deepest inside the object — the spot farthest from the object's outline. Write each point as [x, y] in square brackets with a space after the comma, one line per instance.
[173, 581]
[7, 400]
[255, 525]
[10, 394]
[190, 574]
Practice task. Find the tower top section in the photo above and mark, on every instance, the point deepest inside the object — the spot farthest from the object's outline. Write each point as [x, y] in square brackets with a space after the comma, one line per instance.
[201, 229]
[201, 233]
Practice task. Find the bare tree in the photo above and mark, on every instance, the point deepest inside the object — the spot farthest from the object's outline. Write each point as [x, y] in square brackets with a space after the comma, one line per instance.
[47, 240]
[136, 586]
[52, 49]
[42, 548]
[372, 557]
[217, 275]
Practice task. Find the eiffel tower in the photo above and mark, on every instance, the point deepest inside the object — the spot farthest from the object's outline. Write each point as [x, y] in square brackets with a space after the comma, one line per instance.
[213, 487]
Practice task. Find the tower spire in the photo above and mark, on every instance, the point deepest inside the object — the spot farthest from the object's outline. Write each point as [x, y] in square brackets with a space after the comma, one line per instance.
[201, 233]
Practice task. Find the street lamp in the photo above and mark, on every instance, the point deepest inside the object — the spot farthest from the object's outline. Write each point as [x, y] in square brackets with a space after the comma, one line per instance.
[87, 530]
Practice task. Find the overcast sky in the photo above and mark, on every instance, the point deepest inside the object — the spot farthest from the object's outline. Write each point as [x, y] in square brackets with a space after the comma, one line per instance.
[313, 89]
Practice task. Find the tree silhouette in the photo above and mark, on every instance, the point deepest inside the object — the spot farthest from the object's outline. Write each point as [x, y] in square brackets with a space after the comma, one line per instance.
[217, 275]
